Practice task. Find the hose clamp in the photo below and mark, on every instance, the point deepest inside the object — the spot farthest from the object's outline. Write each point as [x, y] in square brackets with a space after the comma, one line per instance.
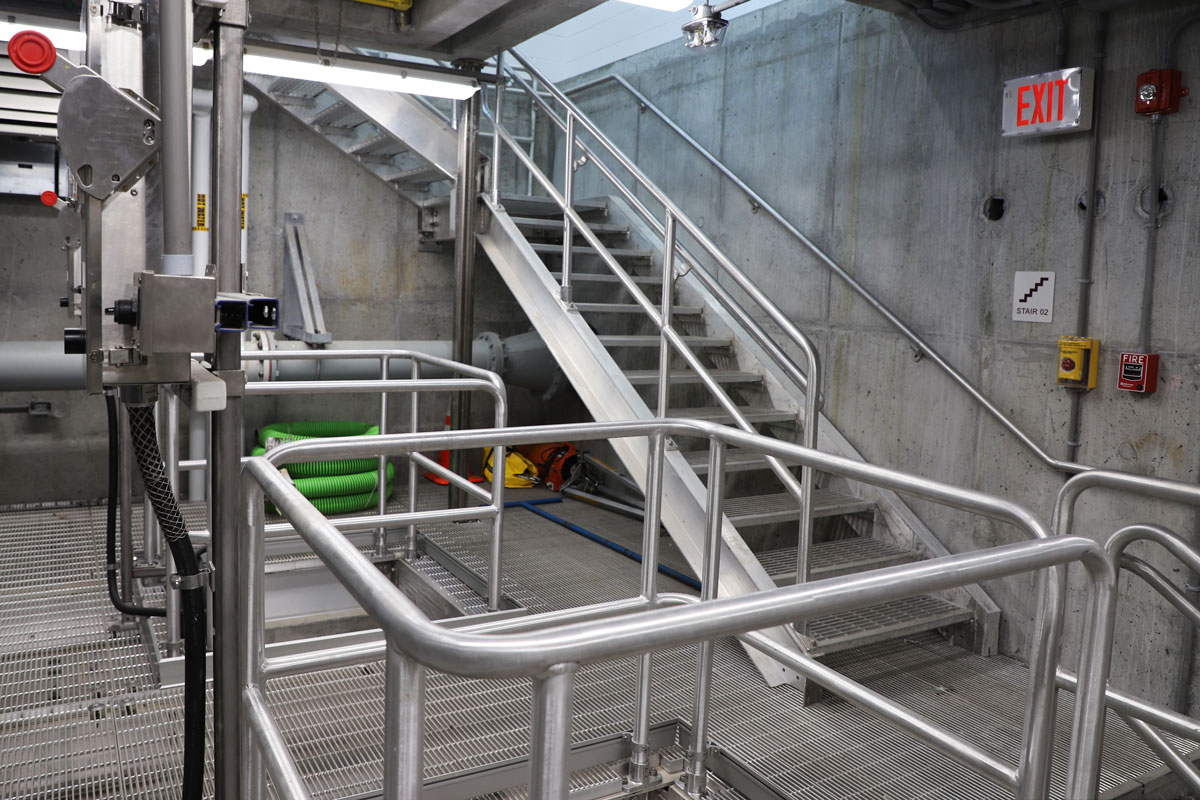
[186, 583]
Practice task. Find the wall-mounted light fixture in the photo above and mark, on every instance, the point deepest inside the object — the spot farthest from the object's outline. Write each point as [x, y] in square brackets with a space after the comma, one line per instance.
[707, 28]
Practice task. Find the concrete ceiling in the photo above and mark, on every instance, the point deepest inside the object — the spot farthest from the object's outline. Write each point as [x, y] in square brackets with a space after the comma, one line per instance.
[444, 29]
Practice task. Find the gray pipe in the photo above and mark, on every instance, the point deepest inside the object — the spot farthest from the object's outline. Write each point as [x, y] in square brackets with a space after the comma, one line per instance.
[175, 59]
[39, 367]
[521, 360]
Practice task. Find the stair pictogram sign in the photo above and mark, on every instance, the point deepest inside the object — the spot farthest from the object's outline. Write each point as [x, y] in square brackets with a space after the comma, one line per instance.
[1033, 297]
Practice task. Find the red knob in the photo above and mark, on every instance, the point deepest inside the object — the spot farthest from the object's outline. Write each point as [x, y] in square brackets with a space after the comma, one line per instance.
[49, 198]
[32, 52]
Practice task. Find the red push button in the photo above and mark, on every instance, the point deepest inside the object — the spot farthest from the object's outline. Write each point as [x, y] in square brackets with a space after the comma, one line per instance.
[49, 198]
[32, 52]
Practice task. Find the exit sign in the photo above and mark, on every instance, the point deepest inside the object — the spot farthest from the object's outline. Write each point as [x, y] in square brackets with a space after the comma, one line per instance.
[1052, 102]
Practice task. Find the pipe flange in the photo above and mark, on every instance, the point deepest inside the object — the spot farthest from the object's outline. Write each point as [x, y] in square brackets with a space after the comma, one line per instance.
[496, 354]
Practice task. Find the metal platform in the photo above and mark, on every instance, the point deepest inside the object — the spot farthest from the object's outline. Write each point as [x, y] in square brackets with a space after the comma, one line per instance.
[81, 716]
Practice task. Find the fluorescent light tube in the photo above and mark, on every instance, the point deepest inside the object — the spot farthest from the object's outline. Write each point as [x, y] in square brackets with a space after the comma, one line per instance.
[61, 38]
[407, 80]
[661, 5]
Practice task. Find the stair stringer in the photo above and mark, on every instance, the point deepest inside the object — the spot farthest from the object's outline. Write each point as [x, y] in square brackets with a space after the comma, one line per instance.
[901, 523]
[582, 358]
[404, 118]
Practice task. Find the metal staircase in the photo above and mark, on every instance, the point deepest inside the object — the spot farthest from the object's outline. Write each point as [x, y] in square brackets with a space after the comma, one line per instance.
[596, 313]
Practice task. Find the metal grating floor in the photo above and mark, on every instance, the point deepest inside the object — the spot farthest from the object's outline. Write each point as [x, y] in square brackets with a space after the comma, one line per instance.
[80, 717]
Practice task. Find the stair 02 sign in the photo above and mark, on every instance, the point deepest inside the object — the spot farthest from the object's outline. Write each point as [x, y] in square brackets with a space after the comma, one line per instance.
[1052, 102]
[1033, 297]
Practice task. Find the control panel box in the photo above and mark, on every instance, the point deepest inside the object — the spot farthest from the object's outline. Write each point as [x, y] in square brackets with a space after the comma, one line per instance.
[1078, 362]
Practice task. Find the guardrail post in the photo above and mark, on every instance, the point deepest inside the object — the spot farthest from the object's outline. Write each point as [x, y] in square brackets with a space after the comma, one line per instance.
[414, 424]
[381, 533]
[550, 733]
[496, 123]
[569, 193]
[250, 634]
[666, 309]
[404, 727]
[696, 778]
[639, 757]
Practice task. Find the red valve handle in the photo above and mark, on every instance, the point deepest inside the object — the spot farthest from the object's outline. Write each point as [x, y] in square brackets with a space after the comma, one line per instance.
[32, 52]
[49, 198]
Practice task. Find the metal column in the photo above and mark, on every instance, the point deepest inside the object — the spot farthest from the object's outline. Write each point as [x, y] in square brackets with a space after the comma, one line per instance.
[466, 204]
[227, 361]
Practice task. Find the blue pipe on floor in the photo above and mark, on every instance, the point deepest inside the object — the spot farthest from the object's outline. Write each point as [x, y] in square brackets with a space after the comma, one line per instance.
[532, 505]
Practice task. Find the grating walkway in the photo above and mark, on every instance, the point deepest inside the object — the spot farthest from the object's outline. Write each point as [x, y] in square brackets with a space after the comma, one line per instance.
[80, 717]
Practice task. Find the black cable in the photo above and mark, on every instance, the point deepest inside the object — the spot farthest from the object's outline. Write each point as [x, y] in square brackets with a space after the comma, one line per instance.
[114, 594]
[162, 497]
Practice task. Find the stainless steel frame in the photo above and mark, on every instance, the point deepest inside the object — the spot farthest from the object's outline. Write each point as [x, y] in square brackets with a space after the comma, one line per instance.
[549, 648]
[914, 338]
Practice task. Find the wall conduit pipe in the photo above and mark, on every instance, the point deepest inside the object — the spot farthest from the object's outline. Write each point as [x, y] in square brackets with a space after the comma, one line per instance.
[1083, 310]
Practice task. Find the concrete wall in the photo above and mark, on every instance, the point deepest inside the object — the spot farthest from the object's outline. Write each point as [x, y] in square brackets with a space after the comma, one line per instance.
[879, 138]
[374, 284]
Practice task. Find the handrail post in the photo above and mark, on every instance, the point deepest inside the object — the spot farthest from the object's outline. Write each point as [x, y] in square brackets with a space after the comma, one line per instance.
[414, 423]
[550, 733]
[569, 193]
[496, 123]
[496, 553]
[639, 758]
[1038, 737]
[404, 727]
[812, 396]
[381, 533]
[666, 309]
[251, 631]
[696, 778]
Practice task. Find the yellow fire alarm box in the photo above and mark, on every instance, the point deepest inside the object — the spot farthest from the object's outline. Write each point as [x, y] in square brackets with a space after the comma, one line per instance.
[1078, 361]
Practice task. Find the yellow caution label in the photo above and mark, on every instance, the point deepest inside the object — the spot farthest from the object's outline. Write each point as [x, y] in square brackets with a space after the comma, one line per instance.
[244, 196]
[201, 213]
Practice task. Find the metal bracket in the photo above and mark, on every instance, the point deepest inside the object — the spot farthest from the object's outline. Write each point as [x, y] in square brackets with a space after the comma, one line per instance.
[186, 583]
[301, 317]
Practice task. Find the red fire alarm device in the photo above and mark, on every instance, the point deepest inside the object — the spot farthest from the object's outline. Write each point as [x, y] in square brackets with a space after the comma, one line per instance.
[1159, 92]
[1138, 373]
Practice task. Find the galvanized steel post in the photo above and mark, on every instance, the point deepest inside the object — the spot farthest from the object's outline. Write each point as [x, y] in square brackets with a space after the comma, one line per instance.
[466, 205]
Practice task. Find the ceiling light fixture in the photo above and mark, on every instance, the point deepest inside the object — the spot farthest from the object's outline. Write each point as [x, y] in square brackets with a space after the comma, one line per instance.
[405, 79]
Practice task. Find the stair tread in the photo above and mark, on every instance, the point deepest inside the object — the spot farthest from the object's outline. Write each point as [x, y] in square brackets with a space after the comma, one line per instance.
[781, 507]
[607, 277]
[736, 460]
[556, 225]
[628, 308]
[424, 174]
[881, 622]
[648, 377]
[626, 340]
[586, 250]
[530, 206]
[841, 556]
[719, 414]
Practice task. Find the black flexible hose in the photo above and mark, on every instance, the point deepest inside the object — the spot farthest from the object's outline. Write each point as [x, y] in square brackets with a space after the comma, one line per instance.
[166, 508]
[111, 533]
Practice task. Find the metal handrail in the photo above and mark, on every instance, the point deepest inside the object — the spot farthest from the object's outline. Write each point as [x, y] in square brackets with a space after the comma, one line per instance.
[551, 655]
[800, 489]
[1134, 711]
[908, 333]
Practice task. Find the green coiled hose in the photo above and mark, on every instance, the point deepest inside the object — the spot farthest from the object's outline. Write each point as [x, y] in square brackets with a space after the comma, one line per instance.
[333, 487]
[318, 429]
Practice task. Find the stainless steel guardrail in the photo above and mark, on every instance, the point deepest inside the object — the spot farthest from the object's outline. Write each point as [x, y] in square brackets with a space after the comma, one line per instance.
[1137, 713]
[915, 339]
[672, 342]
[550, 650]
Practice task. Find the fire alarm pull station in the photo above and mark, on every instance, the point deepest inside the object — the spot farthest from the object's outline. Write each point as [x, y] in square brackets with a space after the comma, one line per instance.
[1139, 372]
[1078, 362]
